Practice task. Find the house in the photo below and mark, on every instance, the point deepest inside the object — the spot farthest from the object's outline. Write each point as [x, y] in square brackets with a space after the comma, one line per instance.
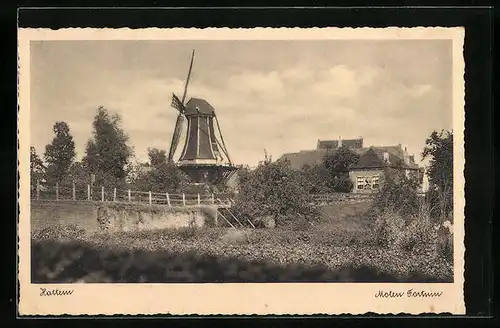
[367, 174]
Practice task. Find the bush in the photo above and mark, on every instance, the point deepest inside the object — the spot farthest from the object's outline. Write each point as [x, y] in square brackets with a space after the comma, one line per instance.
[398, 193]
[59, 232]
[389, 228]
[274, 189]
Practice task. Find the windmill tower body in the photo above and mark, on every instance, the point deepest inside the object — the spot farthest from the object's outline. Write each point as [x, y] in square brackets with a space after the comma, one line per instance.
[204, 157]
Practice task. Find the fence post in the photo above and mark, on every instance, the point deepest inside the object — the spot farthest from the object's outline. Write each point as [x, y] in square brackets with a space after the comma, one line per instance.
[57, 190]
[183, 199]
[74, 191]
[129, 196]
[199, 200]
[114, 195]
[88, 192]
[150, 198]
[168, 200]
[37, 189]
[102, 193]
[213, 199]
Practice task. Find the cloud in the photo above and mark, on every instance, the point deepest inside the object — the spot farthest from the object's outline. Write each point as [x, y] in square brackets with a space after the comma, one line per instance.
[283, 106]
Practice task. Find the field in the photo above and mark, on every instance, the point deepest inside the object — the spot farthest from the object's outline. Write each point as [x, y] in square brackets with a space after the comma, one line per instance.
[339, 248]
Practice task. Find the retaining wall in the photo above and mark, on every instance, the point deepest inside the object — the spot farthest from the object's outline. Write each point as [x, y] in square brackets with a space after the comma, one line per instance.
[97, 216]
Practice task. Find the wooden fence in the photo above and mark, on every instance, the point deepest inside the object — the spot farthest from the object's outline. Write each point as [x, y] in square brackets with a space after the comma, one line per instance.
[74, 192]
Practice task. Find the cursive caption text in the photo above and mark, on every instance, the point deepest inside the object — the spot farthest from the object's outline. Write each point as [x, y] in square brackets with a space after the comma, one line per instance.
[410, 293]
[55, 292]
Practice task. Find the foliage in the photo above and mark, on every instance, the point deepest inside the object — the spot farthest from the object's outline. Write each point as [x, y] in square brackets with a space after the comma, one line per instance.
[37, 168]
[79, 174]
[212, 255]
[60, 153]
[107, 152]
[159, 175]
[317, 177]
[398, 193]
[389, 228]
[337, 164]
[157, 157]
[273, 189]
[439, 149]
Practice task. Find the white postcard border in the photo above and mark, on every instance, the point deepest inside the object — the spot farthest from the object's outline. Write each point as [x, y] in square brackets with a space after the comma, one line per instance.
[244, 298]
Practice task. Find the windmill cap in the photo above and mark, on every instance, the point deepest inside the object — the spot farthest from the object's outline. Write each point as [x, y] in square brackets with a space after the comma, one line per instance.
[197, 106]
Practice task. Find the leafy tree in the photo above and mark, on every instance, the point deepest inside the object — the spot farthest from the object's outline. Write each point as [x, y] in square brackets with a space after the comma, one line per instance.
[79, 174]
[337, 164]
[157, 157]
[317, 178]
[60, 153]
[439, 150]
[273, 189]
[107, 153]
[398, 193]
[37, 168]
[158, 174]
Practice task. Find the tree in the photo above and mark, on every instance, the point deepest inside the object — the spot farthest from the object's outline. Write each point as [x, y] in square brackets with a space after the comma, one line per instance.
[79, 174]
[159, 175]
[439, 150]
[317, 178]
[107, 153]
[60, 153]
[37, 168]
[273, 189]
[398, 194]
[337, 164]
[157, 157]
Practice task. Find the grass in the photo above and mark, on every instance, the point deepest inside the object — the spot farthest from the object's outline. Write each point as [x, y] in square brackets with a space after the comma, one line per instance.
[340, 248]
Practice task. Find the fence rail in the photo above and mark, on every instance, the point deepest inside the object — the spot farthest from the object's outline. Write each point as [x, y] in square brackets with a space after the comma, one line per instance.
[74, 192]
[77, 192]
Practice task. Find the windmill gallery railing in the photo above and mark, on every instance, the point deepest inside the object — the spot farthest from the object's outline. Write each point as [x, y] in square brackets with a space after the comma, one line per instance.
[76, 192]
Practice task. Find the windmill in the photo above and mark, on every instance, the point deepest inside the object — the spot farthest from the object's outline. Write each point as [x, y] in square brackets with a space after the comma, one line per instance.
[204, 157]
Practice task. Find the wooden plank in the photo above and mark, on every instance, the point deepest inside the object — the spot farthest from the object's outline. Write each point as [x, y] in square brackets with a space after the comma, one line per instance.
[225, 219]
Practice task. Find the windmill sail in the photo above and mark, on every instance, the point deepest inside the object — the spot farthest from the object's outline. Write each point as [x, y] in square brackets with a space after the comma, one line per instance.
[176, 136]
[179, 105]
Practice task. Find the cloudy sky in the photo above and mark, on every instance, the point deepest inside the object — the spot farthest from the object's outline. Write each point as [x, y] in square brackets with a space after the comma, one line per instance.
[281, 96]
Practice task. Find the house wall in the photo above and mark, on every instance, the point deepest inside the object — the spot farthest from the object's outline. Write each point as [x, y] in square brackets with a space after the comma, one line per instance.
[355, 174]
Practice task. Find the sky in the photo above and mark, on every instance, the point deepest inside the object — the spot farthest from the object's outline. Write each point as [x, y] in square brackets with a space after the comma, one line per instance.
[277, 96]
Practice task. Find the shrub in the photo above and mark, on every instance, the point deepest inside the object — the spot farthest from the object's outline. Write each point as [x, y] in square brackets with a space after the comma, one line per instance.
[398, 193]
[274, 189]
[389, 228]
[59, 232]
[420, 236]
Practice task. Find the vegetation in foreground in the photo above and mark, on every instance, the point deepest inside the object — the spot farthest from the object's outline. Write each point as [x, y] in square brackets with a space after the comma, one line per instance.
[318, 253]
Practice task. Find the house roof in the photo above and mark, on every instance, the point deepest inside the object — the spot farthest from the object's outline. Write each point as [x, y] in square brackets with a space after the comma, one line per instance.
[374, 158]
[304, 157]
[333, 144]
[371, 157]
[196, 106]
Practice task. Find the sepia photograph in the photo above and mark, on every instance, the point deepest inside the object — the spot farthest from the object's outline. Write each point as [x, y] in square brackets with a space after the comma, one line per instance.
[244, 161]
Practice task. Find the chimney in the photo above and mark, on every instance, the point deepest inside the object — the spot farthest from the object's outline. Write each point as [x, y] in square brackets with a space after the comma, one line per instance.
[406, 158]
[386, 157]
[340, 142]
